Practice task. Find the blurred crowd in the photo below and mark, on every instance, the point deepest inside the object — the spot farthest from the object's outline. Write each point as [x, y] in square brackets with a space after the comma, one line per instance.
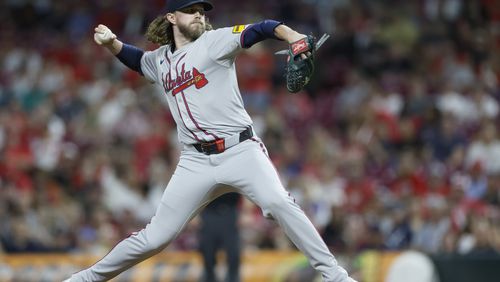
[393, 145]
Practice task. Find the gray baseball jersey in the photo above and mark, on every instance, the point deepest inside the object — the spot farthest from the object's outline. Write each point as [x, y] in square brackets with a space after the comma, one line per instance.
[200, 83]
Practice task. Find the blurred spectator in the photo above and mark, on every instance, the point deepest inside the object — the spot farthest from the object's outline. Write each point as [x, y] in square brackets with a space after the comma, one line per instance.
[478, 183]
[492, 194]
[400, 235]
[484, 150]
[443, 138]
[429, 237]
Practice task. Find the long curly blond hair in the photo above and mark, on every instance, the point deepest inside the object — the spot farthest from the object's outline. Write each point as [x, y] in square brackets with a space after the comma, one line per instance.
[160, 31]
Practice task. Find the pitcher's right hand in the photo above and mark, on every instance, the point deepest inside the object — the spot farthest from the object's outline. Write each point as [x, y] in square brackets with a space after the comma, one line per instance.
[103, 35]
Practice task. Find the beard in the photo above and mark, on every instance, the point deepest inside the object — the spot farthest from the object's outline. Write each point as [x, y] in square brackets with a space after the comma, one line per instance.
[192, 30]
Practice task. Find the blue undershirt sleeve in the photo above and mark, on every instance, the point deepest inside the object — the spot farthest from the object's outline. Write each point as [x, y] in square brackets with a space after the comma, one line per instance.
[131, 57]
[258, 32]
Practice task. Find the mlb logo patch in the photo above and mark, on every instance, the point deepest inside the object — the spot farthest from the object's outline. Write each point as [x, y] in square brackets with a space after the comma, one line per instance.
[238, 28]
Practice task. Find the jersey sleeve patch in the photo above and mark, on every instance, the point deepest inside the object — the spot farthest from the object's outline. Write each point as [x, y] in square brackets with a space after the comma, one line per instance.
[238, 28]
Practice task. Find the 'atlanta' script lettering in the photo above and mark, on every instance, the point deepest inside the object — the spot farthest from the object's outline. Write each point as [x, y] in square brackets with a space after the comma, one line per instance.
[184, 80]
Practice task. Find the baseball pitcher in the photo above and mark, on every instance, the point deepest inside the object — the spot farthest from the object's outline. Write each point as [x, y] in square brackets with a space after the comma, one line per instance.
[195, 67]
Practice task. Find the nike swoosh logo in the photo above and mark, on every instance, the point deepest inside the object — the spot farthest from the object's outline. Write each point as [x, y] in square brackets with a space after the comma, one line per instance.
[161, 61]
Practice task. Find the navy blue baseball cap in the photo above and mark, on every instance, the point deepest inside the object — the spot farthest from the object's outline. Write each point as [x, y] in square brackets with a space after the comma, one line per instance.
[175, 5]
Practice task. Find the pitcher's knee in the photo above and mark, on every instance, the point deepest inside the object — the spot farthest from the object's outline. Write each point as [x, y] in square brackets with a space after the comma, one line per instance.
[157, 242]
[275, 206]
[156, 245]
